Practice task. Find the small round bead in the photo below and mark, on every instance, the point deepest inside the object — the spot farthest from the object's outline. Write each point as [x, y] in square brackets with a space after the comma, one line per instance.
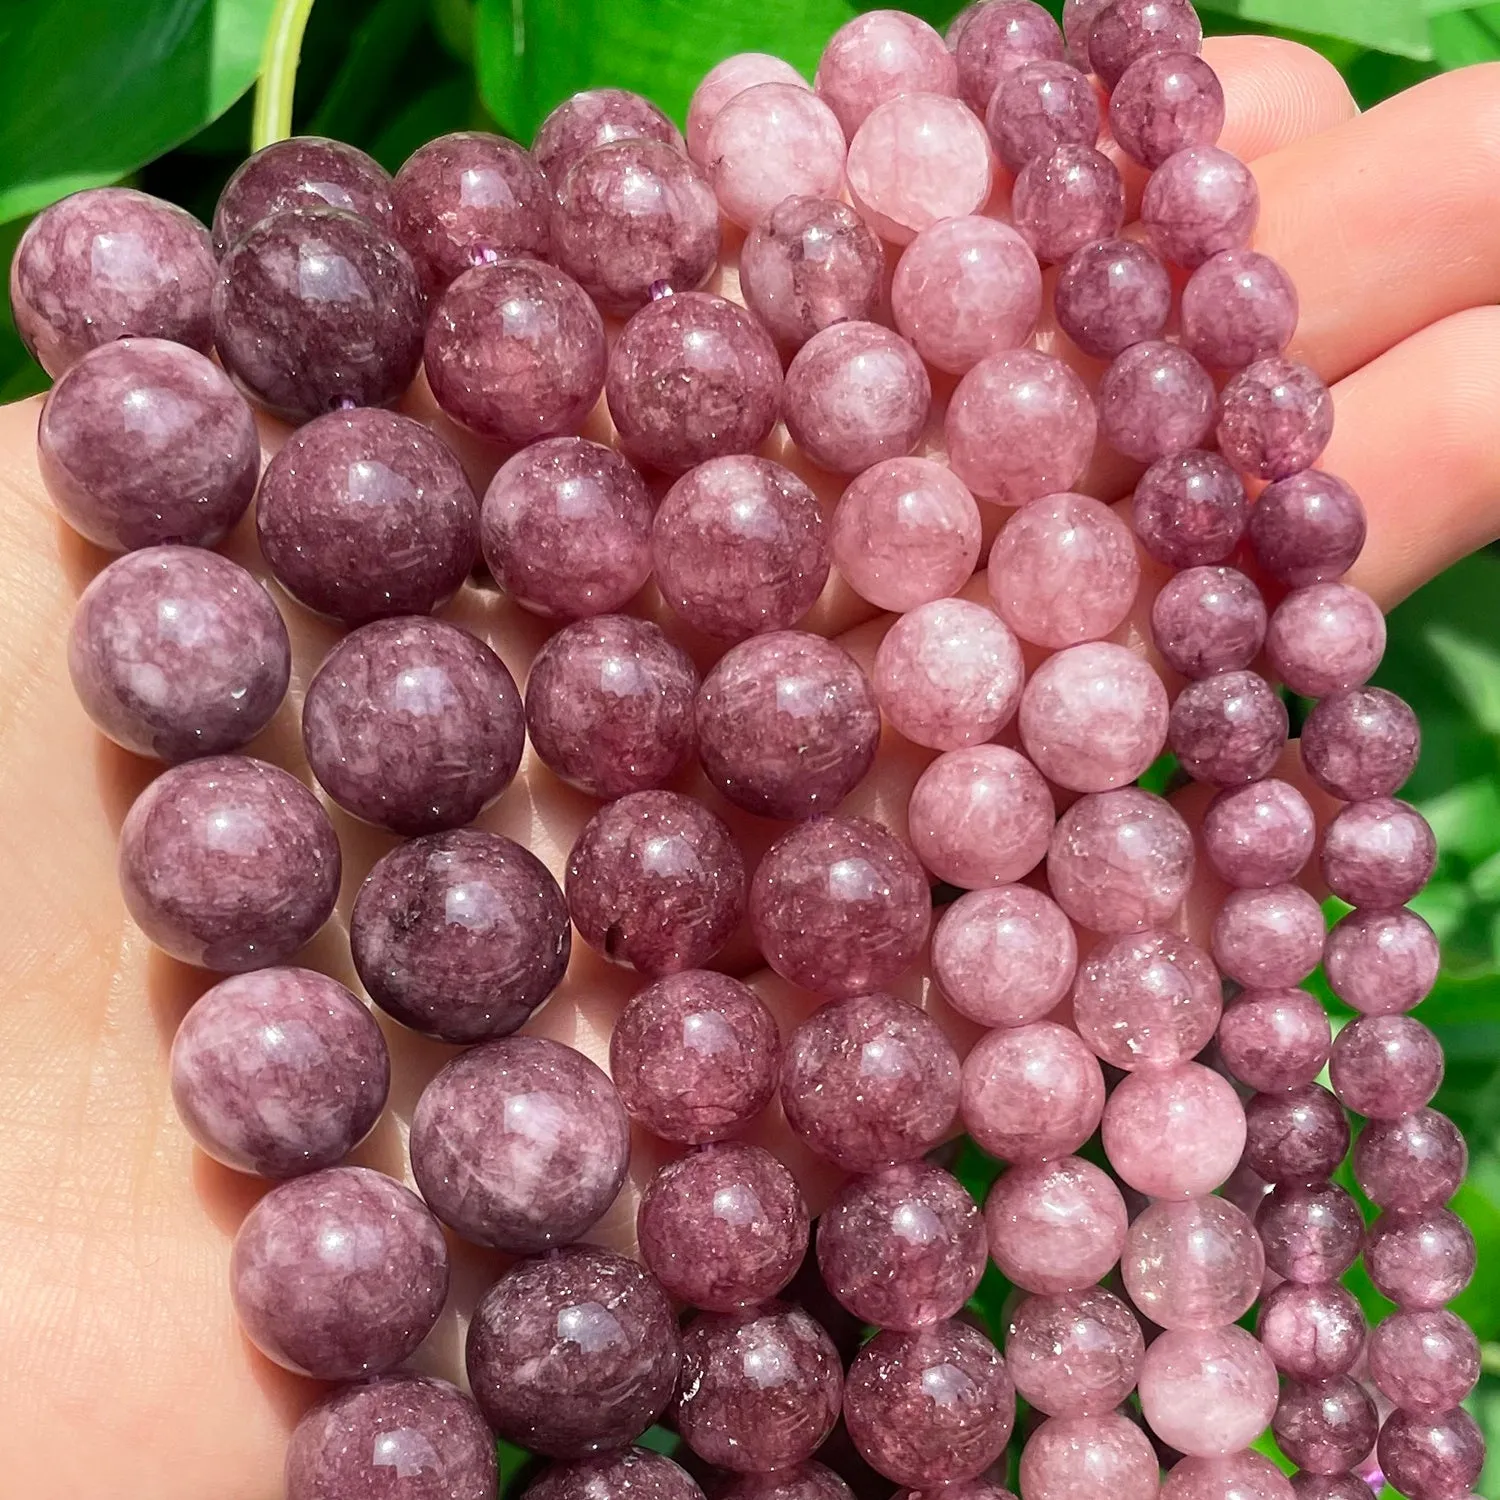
[1308, 528]
[1347, 1486]
[1004, 35]
[1275, 418]
[695, 1056]
[1174, 1132]
[311, 1301]
[596, 117]
[903, 1248]
[609, 706]
[637, 1472]
[1259, 835]
[1424, 1361]
[1189, 509]
[772, 142]
[1361, 742]
[1198, 203]
[228, 904]
[1382, 962]
[1311, 1231]
[1164, 103]
[1208, 620]
[1273, 1039]
[1111, 294]
[1004, 957]
[1420, 1260]
[1196, 1264]
[1326, 1427]
[1038, 107]
[723, 82]
[1031, 1093]
[1268, 937]
[1107, 1457]
[1238, 307]
[1055, 1226]
[980, 816]
[1325, 637]
[1128, 30]
[1416, 1161]
[1295, 1135]
[656, 881]
[1384, 1067]
[1431, 1457]
[1228, 729]
[878, 56]
[722, 1227]
[804, 1481]
[1075, 1354]
[1207, 1392]
[1378, 853]
[1313, 1332]
[1241, 1476]
[869, 1082]
[787, 724]
[1069, 198]
[1155, 400]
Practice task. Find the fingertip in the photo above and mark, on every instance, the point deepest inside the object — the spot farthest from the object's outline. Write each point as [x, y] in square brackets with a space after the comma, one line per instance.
[1276, 92]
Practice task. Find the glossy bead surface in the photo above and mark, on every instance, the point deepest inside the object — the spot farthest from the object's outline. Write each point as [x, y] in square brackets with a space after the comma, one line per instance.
[1325, 637]
[1155, 400]
[1313, 1332]
[1240, 1476]
[1362, 742]
[1238, 307]
[1199, 203]
[722, 83]
[1384, 1067]
[1272, 1039]
[1382, 962]
[1259, 835]
[1311, 1231]
[878, 56]
[1308, 528]
[1031, 1093]
[1005, 956]
[1189, 509]
[804, 1481]
[1275, 418]
[1174, 1132]
[1112, 294]
[1164, 103]
[1209, 1392]
[1424, 1361]
[638, 1472]
[1420, 1260]
[1228, 729]
[1208, 620]
[1327, 1427]
[996, 39]
[1270, 938]
[1069, 198]
[1107, 1457]
[1056, 1226]
[1295, 1135]
[1415, 1161]
[1379, 853]
[596, 117]
[1193, 1264]
[980, 816]
[1431, 1457]
[1038, 107]
[1074, 1354]
[1128, 30]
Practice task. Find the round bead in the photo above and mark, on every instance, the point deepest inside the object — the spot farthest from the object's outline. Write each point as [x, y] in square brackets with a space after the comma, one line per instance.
[1295, 1135]
[1361, 742]
[1198, 203]
[1268, 938]
[1196, 1264]
[1107, 1457]
[1259, 835]
[1416, 1161]
[1313, 1332]
[1275, 418]
[1424, 1361]
[1004, 35]
[1241, 1476]
[596, 117]
[1325, 637]
[1311, 1231]
[1189, 509]
[878, 56]
[772, 142]
[1127, 30]
[1431, 1457]
[1382, 962]
[1111, 294]
[1208, 620]
[1038, 107]
[723, 82]
[1228, 729]
[1327, 1427]
[1071, 197]
[1174, 1132]
[1056, 1226]
[1155, 400]
[1273, 1039]
[1238, 307]
[1164, 103]
[1384, 1067]
[980, 816]
[1078, 17]
[805, 1481]
[1347, 1486]
[1004, 957]
[1207, 1392]
[1031, 1093]
[1075, 1354]
[637, 1472]
[1420, 1260]
[1378, 853]
[1308, 528]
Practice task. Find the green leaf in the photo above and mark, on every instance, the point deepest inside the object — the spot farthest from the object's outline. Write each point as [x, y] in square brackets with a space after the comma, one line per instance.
[1465, 37]
[1398, 26]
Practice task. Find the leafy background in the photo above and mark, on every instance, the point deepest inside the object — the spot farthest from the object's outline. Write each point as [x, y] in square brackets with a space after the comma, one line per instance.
[157, 92]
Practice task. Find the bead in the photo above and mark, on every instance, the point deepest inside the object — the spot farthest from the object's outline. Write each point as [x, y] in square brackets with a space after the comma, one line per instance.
[1155, 400]
[1382, 962]
[1419, 1260]
[723, 82]
[520, 1144]
[1295, 1135]
[1195, 1264]
[1164, 103]
[1055, 1226]
[1198, 203]
[1330, 1487]
[1259, 835]
[1361, 742]
[999, 37]
[1378, 853]
[1106, 1457]
[1208, 620]
[1078, 17]
[1238, 307]
[596, 117]
[1038, 107]
[1268, 938]
[313, 1302]
[1241, 1476]
[1274, 1039]
[1174, 1132]
[878, 56]
[805, 1481]
[1031, 1093]
[1128, 30]
[1384, 1067]
[869, 1082]
[1311, 1231]
[1424, 1361]
[637, 1472]
[1416, 1161]
[1275, 418]
[1431, 1458]
[1325, 637]
[1189, 509]
[1075, 1354]
[228, 904]
[1111, 294]
[1313, 1332]
[1228, 729]
[1327, 1427]
[1207, 1392]
[1308, 528]
[1067, 199]
[772, 142]
[1005, 956]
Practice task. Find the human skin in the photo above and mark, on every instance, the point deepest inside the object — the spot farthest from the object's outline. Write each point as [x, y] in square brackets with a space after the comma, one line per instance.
[117, 1338]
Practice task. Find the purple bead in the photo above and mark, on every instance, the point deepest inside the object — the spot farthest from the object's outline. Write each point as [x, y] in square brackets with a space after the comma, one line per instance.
[413, 725]
[596, 117]
[1164, 103]
[1325, 637]
[466, 199]
[279, 1072]
[1297, 1135]
[176, 652]
[1384, 1067]
[1238, 307]
[1431, 1457]
[1416, 1161]
[1155, 400]
[515, 352]
[869, 1082]
[573, 1352]
[1055, 1226]
[722, 1227]
[365, 514]
[1311, 1231]
[111, 263]
[1208, 620]
[401, 1437]
[1273, 1039]
[1075, 1354]
[1313, 1332]
[1038, 107]
[1326, 1427]
[1128, 30]
[787, 724]
[316, 309]
[1198, 203]
[1228, 729]
[636, 1472]
[1424, 1361]
[1030, 1093]
[760, 1389]
[1112, 294]
[1268, 937]
[997, 38]
[1067, 199]
[1308, 528]
[228, 903]
[1362, 742]
[1382, 962]
[1192, 1264]
[930, 1407]
[1378, 853]
[1259, 835]
[566, 528]
[806, 1481]
[609, 706]
[1420, 1260]
[1189, 509]
[142, 442]
[460, 935]
[1347, 1486]
[1275, 418]
[340, 1274]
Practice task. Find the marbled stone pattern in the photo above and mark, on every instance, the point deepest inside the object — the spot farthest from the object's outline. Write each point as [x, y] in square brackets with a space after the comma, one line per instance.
[1069, 198]
[1198, 203]
[1382, 962]
[1324, 638]
[1312, 1332]
[1164, 103]
[1228, 729]
[1155, 400]
[1241, 1476]
[1174, 1132]
[1379, 853]
[1259, 835]
[1078, 17]
[877, 56]
[1136, 28]
[1296, 1135]
[1424, 1361]
[1361, 742]
[144, 442]
[520, 1144]
[1091, 1458]
[805, 1481]
[636, 1472]
[1275, 1038]
[1190, 509]
[460, 935]
[1030, 1093]
[595, 117]
[1268, 937]
[1074, 1354]
[1207, 1392]
[1326, 1427]
[366, 514]
[1039, 106]
[1275, 418]
[1208, 620]
[1417, 1161]
[228, 863]
[1111, 294]
[279, 1072]
[1307, 529]
[1055, 1226]
[1311, 1231]
[722, 83]
[1420, 1260]
[111, 263]
[1431, 1457]
[339, 1275]
[573, 1353]
[996, 39]
[1385, 1066]
[1237, 307]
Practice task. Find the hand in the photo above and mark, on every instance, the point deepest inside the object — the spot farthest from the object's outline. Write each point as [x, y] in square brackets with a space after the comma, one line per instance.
[122, 1370]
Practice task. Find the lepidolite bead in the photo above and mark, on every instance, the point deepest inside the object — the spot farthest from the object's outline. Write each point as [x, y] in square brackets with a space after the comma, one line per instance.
[1207, 1392]
[1038, 107]
[1382, 962]
[460, 935]
[772, 142]
[520, 1144]
[1075, 1354]
[722, 83]
[1311, 1231]
[1164, 103]
[1324, 638]
[637, 1472]
[1420, 1260]
[1031, 1093]
[1189, 509]
[1424, 1361]
[1078, 17]
[574, 1352]
[877, 56]
[1274, 1039]
[804, 1481]
[1384, 1067]
[1208, 620]
[1275, 418]
[997, 38]
[1268, 937]
[595, 117]
[1295, 1135]
[279, 1072]
[1055, 1226]
[228, 863]
[1326, 1427]
[1259, 835]
[1240, 1476]
[1128, 30]
[1005, 956]
[1112, 294]
[1348, 1486]
[1228, 729]
[1431, 1457]
[1107, 1457]
[1416, 1161]
[1313, 1332]
[1155, 400]
[1362, 742]
[1069, 198]
[1378, 853]
[1174, 1132]
[340, 1274]
[980, 816]
[365, 514]
[1195, 1264]
[869, 1082]
[1307, 529]
[1238, 307]
[1199, 203]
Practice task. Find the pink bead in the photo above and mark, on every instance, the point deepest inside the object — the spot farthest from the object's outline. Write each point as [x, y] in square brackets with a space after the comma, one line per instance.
[1055, 1226]
[965, 289]
[1093, 717]
[1064, 570]
[1207, 1393]
[1312, 1332]
[1076, 1354]
[1200, 202]
[1155, 400]
[1112, 294]
[1378, 853]
[1382, 962]
[980, 816]
[1038, 107]
[1020, 425]
[1275, 418]
[773, 141]
[1242, 1476]
[1238, 307]
[1418, 1260]
[1228, 729]
[725, 81]
[906, 532]
[1275, 1039]
[996, 38]
[1164, 103]
[878, 56]
[1088, 1458]
[1363, 742]
[948, 674]
[1424, 1361]
[1175, 1132]
[1268, 937]
[1031, 1093]
[1078, 17]
[1196, 1264]
[1069, 198]
[1296, 1135]
[1325, 637]
[1384, 1067]
[1208, 620]
[1259, 835]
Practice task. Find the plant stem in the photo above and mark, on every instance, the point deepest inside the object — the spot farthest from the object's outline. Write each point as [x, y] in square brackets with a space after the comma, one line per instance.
[278, 73]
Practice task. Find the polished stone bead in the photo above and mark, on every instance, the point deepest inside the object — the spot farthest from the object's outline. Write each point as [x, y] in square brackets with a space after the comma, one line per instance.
[1207, 1392]
[339, 1275]
[804, 1481]
[1378, 853]
[228, 863]
[1194, 1264]
[1128, 30]
[1031, 1093]
[1198, 203]
[963, 1489]
[609, 706]
[1164, 103]
[723, 82]
[1240, 1476]
[1238, 307]
[520, 1144]
[1275, 418]
[878, 56]
[1382, 962]
[980, 816]
[1424, 1361]
[1308, 528]
[1208, 620]
[1228, 729]
[1111, 294]
[1004, 36]
[1432, 1457]
[1384, 1067]
[1273, 1039]
[1313, 1332]
[1268, 938]
[1075, 1354]
[1056, 1226]
[596, 117]
[1155, 400]
[1189, 509]
[1105, 1457]
[1420, 1260]
[1348, 1486]
[1416, 1161]
[1078, 17]
[1174, 1132]
[1038, 107]
[1071, 197]
[1311, 1231]
[1295, 1135]
[573, 1352]
[1361, 742]
[1259, 835]
[1326, 1427]
[1004, 957]
[771, 142]
[460, 935]
[1324, 638]
[638, 1473]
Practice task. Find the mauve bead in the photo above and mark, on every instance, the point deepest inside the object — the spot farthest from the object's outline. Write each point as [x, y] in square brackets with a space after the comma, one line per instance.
[1382, 962]
[228, 863]
[869, 1082]
[177, 652]
[1075, 1354]
[1055, 1226]
[1078, 17]
[1416, 1161]
[1330, 1487]
[400, 1437]
[1432, 1457]
[1424, 1361]
[1207, 1392]
[1295, 1135]
[1313, 1332]
[279, 1072]
[1189, 509]
[1031, 1093]
[1311, 1231]
[1112, 294]
[723, 82]
[1361, 742]
[1005, 36]
[595, 117]
[1198, 203]
[1194, 1264]
[340, 1274]
[573, 1352]
[1164, 103]
[810, 263]
[1259, 835]
[1093, 717]
[964, 1489]
[144, 442]
[1228, 729]
[1325, 637]
[878, 56]
[1004, 957]
[1107, 1457]
[1238, 307]
[1419, 1260]
[111, 263]
[804, 1481]
[1273, 1039]
[460, 935]
[1384, 1067]
[1307, 529]
[902, 1248]
[760, 1388]
[740, 547]
[1128, 30]
[635, 1472]
[1240, 1476]
[1067, 199]
[1120, 861]
[1378, 853]
[1327, 1426]
[980, 816]
[1268, 937]
[520, 1144]
[787, 724]
[1038, 107]
[413, 724]
[929, 1407]
[1174, 1132]
[609, 706]
[1275, 418]
[1155, 400]
[1207, 620]
[515, 352]
[317, 309]
[771, 142]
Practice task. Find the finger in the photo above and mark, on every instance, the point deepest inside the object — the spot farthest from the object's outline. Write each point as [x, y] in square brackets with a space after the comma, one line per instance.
[1275, 93]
